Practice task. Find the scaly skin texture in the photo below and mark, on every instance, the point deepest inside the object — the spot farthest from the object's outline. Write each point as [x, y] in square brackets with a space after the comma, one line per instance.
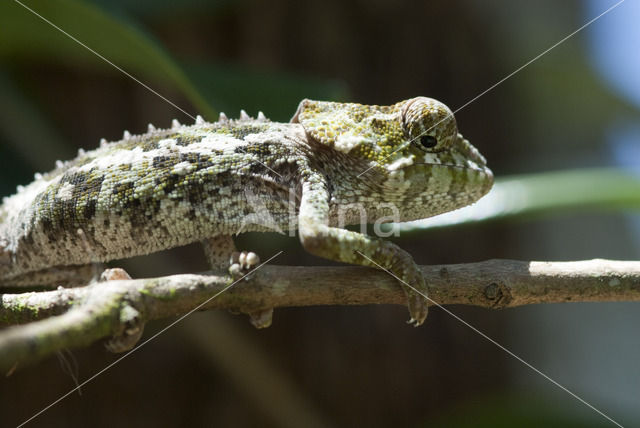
[331, 165]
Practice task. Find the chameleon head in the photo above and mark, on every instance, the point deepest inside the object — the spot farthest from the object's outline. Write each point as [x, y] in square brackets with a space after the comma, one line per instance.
[435, 169]
[412, 149]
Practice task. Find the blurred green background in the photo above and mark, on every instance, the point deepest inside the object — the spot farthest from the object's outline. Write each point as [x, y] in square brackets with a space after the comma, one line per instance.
[563, 133]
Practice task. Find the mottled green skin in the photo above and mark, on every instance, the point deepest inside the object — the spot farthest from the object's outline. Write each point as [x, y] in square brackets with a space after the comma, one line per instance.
[331, 164]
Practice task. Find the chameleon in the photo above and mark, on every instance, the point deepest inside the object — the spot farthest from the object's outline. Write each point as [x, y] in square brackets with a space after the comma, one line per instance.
[171, 187]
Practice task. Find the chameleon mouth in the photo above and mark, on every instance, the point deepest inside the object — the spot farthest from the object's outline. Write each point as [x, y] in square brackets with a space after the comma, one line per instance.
[479, 172]
[469, 166]
[461, 155]
[452, 165]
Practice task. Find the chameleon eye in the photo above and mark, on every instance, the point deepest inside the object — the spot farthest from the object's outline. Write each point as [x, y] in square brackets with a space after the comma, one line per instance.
[428, 141]
[428, 123]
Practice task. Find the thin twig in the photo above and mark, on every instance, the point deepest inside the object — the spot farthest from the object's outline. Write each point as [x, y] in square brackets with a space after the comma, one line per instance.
[74, 317]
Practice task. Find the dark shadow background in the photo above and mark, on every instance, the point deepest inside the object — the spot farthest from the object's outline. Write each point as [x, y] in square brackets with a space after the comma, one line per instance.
[355, 366]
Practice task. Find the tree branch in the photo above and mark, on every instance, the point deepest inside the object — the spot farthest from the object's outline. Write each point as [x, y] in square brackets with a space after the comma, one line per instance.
[74, 317]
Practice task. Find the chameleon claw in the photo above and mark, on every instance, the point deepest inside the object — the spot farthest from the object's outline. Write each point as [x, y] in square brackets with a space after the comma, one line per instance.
[262, 318]
[414, 322]
[418, 309]
[250, 259]
[132, 326]
[114, 274]
[235, 271]
[242, 262]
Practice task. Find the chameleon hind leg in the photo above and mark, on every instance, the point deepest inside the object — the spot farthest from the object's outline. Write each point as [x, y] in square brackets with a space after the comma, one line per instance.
[221, 254]
[132, 323]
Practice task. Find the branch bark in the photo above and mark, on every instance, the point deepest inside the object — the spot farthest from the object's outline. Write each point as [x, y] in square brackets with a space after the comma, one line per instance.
[75, 317]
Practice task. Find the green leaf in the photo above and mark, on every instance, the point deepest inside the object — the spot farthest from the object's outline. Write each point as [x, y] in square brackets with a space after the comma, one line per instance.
[26, 36]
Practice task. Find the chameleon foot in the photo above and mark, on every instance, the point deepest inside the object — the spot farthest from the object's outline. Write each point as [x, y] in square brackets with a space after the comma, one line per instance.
[132, 325]
[132, 328]
[418, 308]
[262, 319]
[114, 274]
[415, 289]
[242, 262]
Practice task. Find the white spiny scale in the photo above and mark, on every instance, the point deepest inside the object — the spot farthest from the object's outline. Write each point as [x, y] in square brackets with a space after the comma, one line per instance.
[151, 128]
[244, 115]
[126, 135]
[261, 116]
[59, 164]
[81, 152]
[103, 142]
[175, 124]
[37, 176]
[199, 120]
[223, 117]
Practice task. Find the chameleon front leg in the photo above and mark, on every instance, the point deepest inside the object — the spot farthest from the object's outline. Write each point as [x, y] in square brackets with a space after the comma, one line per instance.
[218, 251]
[221, 254]
[341, 245]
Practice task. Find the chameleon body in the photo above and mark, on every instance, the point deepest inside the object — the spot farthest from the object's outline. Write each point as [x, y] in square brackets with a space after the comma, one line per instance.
[171, 187]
